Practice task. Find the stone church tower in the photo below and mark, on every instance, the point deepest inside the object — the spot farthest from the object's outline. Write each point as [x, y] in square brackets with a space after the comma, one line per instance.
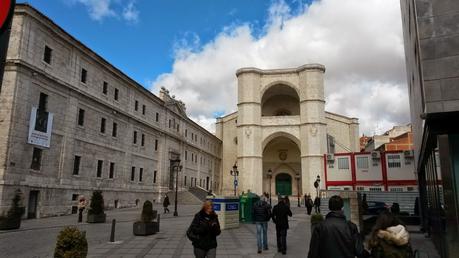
[280, 133]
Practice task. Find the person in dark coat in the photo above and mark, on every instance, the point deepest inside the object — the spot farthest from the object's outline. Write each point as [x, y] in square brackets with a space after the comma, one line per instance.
[308, 203]
[317, 204]
[336, 237]
[280, 215]
[261, 216]
[166, 204]
[206, 228]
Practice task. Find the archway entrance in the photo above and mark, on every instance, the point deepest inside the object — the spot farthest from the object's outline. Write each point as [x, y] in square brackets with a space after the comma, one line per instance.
[283, 184]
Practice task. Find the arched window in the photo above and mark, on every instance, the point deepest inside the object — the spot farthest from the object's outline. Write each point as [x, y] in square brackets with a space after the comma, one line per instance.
[280, 100]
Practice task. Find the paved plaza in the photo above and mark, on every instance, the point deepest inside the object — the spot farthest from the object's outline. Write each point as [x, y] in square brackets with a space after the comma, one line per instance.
[39, 236]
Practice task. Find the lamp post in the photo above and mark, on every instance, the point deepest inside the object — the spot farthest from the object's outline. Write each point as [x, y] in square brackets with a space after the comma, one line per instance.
[297, 177]
[270, 176]
[316, 185]
[176, 167]
[235, 173]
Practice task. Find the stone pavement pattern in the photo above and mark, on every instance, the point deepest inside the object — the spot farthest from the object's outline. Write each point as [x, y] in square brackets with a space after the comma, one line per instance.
[37, 237]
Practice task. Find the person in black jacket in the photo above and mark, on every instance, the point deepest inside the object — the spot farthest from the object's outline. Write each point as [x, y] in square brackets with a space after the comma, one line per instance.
[261, 216]
[317, 204]
[280, 215]
[166, 203]
[335, 236]
[205, 227]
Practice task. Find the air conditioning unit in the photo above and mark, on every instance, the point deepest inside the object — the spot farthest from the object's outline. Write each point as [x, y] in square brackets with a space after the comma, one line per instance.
[375, 155]
[330, 157]
[408, 153]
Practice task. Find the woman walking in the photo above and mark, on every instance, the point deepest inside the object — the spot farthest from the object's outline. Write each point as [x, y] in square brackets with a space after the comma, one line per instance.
[390, 238]
[203, 232]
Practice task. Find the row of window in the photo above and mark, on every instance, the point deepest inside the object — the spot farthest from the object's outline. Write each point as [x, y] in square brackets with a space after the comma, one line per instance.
[194, 158]
[393, 161]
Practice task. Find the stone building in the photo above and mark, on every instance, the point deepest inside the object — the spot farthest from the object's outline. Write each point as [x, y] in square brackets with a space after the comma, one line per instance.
[71, 123]
[431, 36]
[281, 126]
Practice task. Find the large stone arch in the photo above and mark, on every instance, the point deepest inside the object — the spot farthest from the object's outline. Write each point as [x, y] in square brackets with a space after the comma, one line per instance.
[280, 99]
[266, 87]
[274, 135]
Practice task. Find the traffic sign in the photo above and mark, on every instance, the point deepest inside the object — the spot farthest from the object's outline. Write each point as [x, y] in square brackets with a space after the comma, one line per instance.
[235, 182]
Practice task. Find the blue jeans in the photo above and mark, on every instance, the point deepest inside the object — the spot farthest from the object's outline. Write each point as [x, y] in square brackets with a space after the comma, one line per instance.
[262, 235]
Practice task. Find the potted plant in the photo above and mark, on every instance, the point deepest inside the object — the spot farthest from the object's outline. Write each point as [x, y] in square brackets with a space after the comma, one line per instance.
[12, 219]
[96, 208]
[71, 243]
[316, 219]
[146, 226]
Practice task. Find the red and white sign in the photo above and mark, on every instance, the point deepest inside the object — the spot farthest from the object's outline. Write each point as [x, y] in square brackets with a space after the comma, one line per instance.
[6, 8]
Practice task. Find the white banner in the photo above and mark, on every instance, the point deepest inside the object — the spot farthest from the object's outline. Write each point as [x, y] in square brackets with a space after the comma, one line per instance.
[40, 127]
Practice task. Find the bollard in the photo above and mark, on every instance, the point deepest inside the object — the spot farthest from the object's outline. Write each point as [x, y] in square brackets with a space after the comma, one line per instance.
[112, 234]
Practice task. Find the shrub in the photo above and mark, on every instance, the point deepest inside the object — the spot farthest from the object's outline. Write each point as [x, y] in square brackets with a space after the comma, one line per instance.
[147, 212]
[97, 203]
[16, 210]
[316, 218]
[71, 243]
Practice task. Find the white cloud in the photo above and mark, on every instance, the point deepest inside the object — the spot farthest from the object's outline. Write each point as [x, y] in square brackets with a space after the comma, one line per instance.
[359, 41]
[101, 9]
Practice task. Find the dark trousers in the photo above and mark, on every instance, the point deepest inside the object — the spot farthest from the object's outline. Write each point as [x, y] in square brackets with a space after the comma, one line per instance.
[317, 208]
[166, 210]
[201, 253]
[281, 235]
[309, 209]
[80, 215]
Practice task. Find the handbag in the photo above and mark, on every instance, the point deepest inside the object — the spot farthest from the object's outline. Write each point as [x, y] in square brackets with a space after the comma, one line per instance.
[191, 235]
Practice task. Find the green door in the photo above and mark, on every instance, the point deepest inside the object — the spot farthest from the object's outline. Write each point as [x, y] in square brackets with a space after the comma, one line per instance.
[283, 184]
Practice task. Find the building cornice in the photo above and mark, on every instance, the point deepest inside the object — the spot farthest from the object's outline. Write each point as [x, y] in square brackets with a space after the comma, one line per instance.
[318, 67]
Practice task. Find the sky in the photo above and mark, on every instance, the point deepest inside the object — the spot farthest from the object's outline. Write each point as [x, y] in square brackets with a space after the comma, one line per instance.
[194, 47]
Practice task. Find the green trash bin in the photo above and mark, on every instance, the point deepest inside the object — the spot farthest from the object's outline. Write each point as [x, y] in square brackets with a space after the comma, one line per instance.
[247, 201]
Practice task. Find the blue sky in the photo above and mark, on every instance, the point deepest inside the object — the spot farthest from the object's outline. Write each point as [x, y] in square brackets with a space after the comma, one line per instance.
[143, 47]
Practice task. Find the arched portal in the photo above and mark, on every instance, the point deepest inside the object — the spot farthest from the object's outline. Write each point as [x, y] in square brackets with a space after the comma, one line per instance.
[281, 165]
[283, 184]
[280, 100]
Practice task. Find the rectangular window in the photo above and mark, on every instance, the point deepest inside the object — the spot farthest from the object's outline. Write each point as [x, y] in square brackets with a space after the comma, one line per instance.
[81, 117]
[105, 88]
[142, 142]
[343, 163]
[184, 180]
[115, 129]
[135, 138]
[393, 161]
[112, 170]
[156, 145]
[76, 165]
[116, 95]
[47, 55]
[84, 75]
[157, 117]
[140, 174]
[170, 123]
[178, 127]
[102, 125]
[43, 102]
[136, 105]
[186, 132]
[186, 155]
[132, 173]
[36, 159]
[100, 164]
[154, 176]
[144, 108]
[362, 162]
[75, 197]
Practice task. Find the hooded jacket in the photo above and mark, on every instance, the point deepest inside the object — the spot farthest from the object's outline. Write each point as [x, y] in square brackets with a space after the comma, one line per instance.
[392, 242]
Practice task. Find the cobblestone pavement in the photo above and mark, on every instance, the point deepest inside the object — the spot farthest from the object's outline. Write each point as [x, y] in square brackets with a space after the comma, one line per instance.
[37, 237]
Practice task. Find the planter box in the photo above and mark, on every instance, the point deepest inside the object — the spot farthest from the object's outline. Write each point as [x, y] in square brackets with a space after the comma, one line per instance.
[145, 229]
[96, 218]
[8, 224]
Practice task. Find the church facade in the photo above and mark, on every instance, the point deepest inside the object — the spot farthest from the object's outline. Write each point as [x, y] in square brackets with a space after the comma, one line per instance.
[280, 132]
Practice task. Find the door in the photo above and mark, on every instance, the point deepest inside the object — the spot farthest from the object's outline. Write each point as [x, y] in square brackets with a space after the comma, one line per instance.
[33, 202]
[283, 184]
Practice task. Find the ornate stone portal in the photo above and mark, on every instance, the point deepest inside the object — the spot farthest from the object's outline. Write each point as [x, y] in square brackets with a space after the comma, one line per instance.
[281, 125]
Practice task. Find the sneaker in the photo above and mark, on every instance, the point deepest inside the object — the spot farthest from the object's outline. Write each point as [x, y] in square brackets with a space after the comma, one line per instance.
[284, 252]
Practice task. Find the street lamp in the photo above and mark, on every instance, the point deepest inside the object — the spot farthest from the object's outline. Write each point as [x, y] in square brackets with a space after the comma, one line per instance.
[235, 173]
[316, 185]
[177, 167]
[270, 176]
[297, 177]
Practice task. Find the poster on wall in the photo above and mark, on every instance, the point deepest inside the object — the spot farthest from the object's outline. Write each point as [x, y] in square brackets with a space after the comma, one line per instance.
[40, 127]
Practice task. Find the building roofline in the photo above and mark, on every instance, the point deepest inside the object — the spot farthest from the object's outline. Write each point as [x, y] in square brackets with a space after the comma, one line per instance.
[319, 67]
[343, 116]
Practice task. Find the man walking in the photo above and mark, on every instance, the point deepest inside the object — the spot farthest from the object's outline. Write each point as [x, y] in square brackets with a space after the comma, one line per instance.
[317, 204]
[261, 216]
[281, 212]
[308, 202]
[166, 204]
[336, 237]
